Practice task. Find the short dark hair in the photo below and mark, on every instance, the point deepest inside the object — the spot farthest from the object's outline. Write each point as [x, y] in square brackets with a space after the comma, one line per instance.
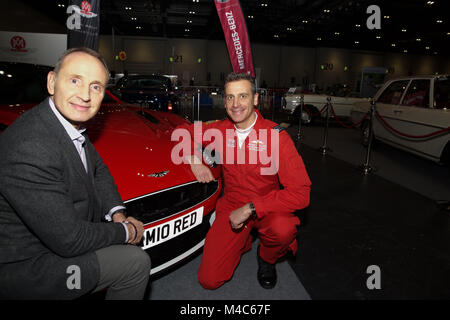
[88, 51]
[233, 76]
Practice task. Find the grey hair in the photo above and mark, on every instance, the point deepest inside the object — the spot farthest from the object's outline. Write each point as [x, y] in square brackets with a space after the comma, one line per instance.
[233, 76]
[88, 51]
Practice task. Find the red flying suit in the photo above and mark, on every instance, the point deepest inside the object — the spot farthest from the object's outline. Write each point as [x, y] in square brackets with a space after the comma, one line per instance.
[244, 183]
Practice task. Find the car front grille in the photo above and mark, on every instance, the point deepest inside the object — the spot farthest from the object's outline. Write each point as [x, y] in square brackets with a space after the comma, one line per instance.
[165, 203]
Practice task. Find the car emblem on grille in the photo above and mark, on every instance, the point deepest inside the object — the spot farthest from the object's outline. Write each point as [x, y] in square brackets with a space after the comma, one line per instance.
[158, 174]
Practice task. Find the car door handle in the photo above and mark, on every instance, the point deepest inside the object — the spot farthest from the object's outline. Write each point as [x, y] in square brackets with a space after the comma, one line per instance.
[398, 112]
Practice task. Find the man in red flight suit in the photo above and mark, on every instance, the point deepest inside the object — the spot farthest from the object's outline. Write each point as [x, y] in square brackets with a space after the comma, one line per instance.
[252, 194]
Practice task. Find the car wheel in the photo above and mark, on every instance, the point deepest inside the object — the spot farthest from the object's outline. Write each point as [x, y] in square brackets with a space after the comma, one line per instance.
[307, 118]
[445, 156]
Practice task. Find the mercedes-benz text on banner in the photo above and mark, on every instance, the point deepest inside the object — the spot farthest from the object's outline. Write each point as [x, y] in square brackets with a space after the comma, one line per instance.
[83, 23]
[236, 37]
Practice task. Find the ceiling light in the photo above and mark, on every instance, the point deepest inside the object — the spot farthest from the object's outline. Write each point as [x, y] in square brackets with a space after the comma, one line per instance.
[319, 38]
[356, 42]
[378, 37]
[275, 36]
[305, 21]
[403, 30]
[187, 30]
[289, 29]
[393, 45]
[430, 3]
[358, 25]
[427, 48]
[337, 33]
[127, 8]
[251, 17]
[387, 17]
[418, 39]
[439, 21]
[405, 51]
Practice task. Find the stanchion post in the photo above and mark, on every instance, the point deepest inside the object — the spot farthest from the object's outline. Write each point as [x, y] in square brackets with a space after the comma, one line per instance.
[273, 105]
[299, 132]
[198, 104]
[193, 107]
[366, 168]
[324, 149]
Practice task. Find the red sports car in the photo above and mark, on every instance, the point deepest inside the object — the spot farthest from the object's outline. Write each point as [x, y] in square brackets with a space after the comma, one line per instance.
[136, 145]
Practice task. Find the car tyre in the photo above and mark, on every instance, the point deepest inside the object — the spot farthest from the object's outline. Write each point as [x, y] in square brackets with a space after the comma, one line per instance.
[445, 156]
[310, 119]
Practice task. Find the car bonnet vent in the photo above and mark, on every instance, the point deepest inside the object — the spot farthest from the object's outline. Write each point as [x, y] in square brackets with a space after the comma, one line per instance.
[147, 116]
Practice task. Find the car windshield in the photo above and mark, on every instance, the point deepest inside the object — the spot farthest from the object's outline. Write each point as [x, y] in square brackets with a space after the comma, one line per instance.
[338, 90]
[108, 99]
[22, 83]
[441, 90]
[145, 82]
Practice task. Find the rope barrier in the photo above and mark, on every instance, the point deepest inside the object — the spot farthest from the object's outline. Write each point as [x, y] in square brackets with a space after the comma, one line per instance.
[408, 135]
[314, 114]
[343, 124]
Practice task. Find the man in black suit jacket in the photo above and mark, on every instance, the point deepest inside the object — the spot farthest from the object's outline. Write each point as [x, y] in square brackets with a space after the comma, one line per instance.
[54, 192]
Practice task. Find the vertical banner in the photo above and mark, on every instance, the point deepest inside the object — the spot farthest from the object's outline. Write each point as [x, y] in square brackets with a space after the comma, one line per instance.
[236, 37]
[83, 23]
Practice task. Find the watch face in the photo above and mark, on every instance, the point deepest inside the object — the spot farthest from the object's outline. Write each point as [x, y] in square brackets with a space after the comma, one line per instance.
[252, 207]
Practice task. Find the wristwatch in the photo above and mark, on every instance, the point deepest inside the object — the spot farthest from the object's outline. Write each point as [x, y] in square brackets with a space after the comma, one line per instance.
[252, 207]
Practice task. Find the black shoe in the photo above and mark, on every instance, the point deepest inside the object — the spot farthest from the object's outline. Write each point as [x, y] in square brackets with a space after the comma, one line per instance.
[267, 274]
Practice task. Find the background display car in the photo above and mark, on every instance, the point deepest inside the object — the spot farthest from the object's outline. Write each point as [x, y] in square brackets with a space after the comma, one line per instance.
[135, 144]
[412, 109]
[341, 99]
[151, 91]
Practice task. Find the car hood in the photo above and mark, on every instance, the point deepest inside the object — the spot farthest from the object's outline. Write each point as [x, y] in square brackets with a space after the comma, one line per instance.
[137, 150]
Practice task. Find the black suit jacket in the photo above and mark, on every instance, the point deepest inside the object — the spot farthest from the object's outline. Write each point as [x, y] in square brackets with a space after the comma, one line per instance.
[51, 209]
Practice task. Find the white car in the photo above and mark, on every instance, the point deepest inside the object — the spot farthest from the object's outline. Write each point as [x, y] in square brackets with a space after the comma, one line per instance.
[342, 104]
[413, 114]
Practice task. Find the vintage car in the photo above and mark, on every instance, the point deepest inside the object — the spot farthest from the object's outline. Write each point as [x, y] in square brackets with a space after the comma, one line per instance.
[341, 100]
[135, 143]
[413, 114]
[155, 92]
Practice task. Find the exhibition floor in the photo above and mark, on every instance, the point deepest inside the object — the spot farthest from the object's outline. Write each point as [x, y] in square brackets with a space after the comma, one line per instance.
[376, 236]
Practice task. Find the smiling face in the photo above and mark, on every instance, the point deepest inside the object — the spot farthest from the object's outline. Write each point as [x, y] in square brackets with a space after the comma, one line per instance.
[78, 88]
[240, 102]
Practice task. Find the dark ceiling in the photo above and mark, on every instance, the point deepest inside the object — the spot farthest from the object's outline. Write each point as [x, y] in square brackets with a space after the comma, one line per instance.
[418, 26]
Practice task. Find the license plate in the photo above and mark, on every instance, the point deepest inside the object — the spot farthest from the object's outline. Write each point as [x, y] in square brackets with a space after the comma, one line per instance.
[171, 229]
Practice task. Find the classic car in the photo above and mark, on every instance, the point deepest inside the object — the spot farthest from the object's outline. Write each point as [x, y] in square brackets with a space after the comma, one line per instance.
[342, 101]
[135, 143]
[151, 91]
[413, 114]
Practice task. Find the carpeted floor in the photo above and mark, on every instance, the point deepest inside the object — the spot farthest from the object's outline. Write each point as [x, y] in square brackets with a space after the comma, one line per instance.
[182, 284]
